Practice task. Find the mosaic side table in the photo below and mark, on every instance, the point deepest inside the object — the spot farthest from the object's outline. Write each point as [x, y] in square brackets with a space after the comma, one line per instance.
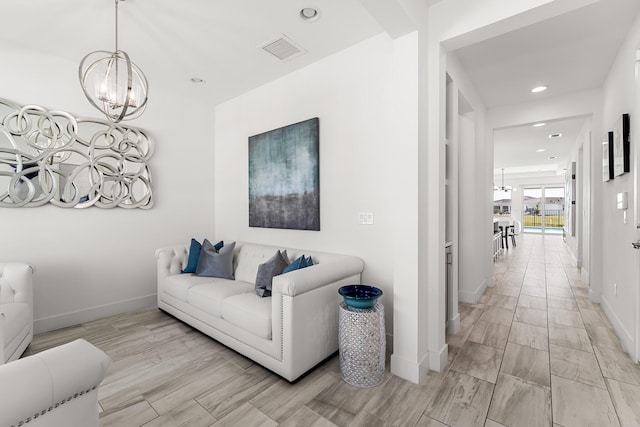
[362, 344]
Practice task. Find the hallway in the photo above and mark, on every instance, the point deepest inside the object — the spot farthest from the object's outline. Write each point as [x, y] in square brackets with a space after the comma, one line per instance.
[536, 352]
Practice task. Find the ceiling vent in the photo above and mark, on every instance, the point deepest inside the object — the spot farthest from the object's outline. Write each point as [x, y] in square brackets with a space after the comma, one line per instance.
[282, 48]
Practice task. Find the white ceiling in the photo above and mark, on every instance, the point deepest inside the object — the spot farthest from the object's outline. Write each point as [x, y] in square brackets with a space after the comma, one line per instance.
[218, 41]
[516, 149]
[570, 53]
[173, 41]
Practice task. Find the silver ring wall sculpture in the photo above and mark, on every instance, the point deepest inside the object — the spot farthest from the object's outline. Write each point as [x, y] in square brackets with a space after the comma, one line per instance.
[53, 157]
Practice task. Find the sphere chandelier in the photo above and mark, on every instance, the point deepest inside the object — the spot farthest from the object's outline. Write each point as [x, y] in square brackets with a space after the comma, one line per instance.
[112, 83]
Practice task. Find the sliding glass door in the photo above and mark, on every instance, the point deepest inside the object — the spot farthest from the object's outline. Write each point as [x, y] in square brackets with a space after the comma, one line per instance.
[543, 210]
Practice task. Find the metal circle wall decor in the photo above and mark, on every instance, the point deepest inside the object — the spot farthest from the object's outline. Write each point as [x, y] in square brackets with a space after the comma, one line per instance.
[53, 157]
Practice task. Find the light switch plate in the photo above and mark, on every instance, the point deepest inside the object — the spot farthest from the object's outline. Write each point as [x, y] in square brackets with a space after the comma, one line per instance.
[365, 218]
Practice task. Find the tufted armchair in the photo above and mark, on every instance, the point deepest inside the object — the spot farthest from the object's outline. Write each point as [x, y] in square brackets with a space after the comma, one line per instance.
[57, 387]
[16, 309]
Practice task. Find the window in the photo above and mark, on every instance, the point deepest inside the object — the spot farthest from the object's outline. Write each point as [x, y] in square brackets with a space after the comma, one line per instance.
[501, 202]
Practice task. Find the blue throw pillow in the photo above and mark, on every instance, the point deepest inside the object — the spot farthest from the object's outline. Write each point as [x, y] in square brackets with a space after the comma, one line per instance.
[194, 255]
[299, 263]
[216, 264]
[272, 267]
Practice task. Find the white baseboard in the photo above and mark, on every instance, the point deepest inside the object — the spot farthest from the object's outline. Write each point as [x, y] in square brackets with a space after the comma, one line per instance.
[584, 274]
[594, 296]
[438, 360]
[472, 297]
[408, 369]
[63, 320]
[416, 372]
[623, 334]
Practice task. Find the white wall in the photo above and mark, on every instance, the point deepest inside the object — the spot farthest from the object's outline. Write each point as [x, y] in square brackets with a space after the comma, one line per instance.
[352, 93]
[91, 263]
[619, 260]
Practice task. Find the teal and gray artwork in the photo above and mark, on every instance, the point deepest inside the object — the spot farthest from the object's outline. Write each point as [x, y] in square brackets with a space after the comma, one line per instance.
[284, 177]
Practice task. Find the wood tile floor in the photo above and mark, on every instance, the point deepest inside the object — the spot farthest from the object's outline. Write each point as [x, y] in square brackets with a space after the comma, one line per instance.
[533, 352]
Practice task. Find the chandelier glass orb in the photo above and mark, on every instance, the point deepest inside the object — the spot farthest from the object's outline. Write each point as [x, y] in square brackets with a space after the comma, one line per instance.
[113, 83]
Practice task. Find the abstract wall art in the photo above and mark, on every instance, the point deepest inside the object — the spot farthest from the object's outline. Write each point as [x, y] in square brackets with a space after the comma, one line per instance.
[284, 177]
[621, 146]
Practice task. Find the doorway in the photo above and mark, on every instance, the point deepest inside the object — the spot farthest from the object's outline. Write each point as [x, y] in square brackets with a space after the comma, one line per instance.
[543, 210]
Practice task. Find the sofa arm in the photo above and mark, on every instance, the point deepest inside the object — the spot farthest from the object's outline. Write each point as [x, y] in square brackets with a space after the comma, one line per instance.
[171, 260]
[38, 384]
[16, 286]
[16, 283]
[300, 281]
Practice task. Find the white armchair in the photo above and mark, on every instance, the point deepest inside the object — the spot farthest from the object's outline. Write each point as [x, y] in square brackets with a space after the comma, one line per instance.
[16, 309]
[54, 388]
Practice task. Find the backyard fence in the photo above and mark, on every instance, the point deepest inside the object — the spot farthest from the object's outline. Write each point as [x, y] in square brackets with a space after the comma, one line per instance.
[552, 219]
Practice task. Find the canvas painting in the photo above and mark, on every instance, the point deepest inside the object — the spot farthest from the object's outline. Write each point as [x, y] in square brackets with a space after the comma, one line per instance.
[621, 148]
[284, 177]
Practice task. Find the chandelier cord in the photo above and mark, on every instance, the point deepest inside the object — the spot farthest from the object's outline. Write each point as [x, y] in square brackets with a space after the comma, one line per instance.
[116, 25]
[116, 38]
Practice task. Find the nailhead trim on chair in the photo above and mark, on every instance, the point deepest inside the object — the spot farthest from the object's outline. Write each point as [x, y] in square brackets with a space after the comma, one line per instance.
[51, 408]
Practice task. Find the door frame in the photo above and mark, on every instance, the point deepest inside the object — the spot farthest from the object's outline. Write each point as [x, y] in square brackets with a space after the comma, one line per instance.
[636, 183]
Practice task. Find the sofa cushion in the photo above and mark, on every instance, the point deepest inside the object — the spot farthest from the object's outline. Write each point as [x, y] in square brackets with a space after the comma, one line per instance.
[249, 312]
[272, 267]
[178, 285]
[216, 264]
[16, 317]
[208, 297]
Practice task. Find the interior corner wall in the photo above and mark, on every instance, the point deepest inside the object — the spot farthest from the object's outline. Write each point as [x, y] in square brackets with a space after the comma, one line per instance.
[91, 263]
[351, 92]
[619, 259]
[470, 283]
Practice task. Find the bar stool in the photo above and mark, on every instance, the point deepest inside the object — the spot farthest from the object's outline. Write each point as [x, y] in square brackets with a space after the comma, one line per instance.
[514, 230]
[505, 235]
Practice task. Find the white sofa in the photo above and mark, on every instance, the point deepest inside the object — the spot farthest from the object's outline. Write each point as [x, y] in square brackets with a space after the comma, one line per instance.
[289, 332]
[16, 309]
[54, 388]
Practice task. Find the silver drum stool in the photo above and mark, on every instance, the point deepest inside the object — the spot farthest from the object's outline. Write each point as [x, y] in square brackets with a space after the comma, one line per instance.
[362, 344]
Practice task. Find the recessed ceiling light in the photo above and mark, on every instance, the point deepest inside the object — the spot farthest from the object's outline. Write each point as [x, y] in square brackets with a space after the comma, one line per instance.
[540, 150]
[552, 157]
[309, 14]
[196, 80]
[555, 135]
[539, 89]
[537, 125]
